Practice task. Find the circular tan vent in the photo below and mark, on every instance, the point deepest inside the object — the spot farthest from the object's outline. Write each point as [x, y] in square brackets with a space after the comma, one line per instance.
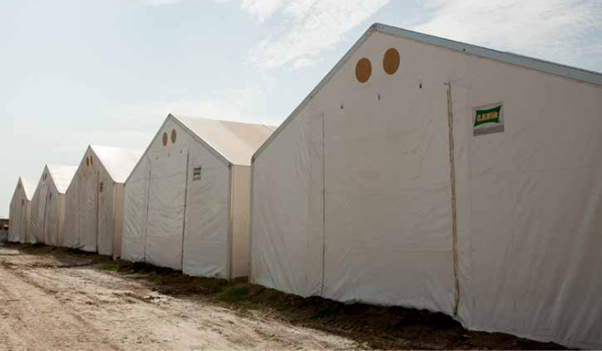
[174, 136]
[391, 61]
[164, 139]
[363, 70]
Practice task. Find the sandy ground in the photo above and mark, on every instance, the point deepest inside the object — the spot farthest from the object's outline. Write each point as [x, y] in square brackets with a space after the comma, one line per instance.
[58, 299]
[67, 303]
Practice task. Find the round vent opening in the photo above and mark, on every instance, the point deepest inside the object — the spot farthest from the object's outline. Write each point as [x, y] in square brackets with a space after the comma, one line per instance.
[363, 70]
[391, 61]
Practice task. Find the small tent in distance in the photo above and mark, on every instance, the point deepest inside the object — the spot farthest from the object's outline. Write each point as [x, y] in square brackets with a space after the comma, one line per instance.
[48, 205]
[94, 200]
[187, 200]
[434, 174]
[20, 210]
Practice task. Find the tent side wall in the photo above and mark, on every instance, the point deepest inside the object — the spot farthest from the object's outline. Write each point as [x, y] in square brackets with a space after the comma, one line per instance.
[155, 201]
[72, 208]
[61, 220]
[27, 220]
[528, 202]
[136, 191]
[240, 217]
[33, 218]
[37, 211]
[359, 153]
[23, 211]
[118, 202]
[527, 199]
[94, 208]
[287, 208]
[207, 221]
[18, 214]
[188, 177]
[53, 220]
[106, 211]
[12, 218]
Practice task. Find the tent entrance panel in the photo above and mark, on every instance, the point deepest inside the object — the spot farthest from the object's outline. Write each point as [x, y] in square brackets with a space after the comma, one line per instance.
[52, 220]
[206, 250]
[13, 219]
[388, 218]
[41, 219]
[71, 235]
[135, 212]
[165, 220]
[88, 221]
[16, 214]
[287, 235]
[22, 232]
[105, 215]
[33, 219]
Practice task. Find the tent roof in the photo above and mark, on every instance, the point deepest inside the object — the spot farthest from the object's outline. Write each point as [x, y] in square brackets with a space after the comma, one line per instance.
[235, 141]
[574, 73]
[580, 75]
[119, 162]
[29, 186]
[61, 175]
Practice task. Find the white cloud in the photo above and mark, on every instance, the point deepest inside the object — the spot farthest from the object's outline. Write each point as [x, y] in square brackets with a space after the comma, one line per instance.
[312, 26]
[558, 30]
[261, 9]
[305, 28]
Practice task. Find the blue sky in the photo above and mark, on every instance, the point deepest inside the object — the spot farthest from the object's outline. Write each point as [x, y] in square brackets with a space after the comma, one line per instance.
[75, 72]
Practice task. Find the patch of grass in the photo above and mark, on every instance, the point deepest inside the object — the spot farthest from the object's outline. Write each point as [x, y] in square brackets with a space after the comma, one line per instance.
[112, 267]
[236, 293]
[159, 279]
[328, 309]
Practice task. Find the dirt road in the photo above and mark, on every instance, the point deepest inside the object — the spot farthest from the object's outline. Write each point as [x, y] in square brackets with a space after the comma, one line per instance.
[57, 299]
[51, 302]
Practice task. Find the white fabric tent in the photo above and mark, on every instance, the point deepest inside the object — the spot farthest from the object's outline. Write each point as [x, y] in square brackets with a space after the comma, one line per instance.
[48, 205]
[20, 210]
[187, 200]
[94, 200]
[434, 174]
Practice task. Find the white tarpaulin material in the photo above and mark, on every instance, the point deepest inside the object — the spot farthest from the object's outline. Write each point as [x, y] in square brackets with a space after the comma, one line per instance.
[48, 205]
[94, 200]
[187, 201]
[434, 174]
[20, 210]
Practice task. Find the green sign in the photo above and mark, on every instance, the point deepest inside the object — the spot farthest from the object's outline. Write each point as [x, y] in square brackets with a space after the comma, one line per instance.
[488, 119]
[491, 115]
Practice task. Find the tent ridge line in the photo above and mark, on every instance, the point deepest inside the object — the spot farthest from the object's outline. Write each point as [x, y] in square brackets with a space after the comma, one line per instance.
[205, 144]
[578, 74]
